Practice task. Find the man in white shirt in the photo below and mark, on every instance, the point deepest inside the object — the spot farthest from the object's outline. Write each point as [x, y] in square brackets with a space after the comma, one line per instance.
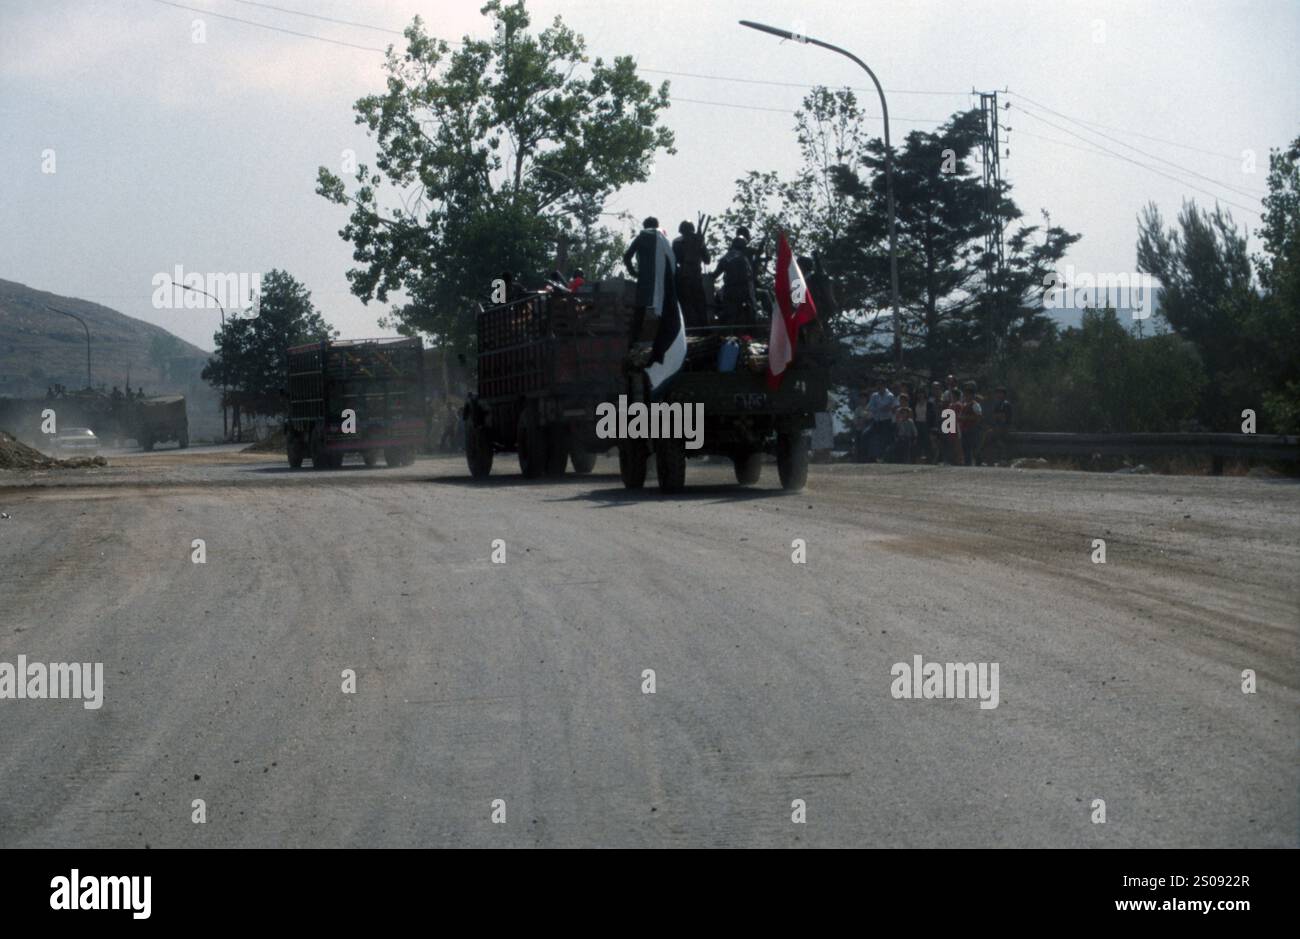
[881, 407]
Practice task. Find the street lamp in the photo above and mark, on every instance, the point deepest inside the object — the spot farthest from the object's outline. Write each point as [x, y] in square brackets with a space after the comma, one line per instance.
[225, 431]
[889, 170]
[83, 326]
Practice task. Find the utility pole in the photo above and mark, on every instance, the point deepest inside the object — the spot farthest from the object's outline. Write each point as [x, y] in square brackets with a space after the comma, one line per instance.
[994, 248]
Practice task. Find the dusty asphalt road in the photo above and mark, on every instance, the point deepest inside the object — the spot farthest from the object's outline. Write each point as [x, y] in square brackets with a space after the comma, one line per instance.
[523, 681]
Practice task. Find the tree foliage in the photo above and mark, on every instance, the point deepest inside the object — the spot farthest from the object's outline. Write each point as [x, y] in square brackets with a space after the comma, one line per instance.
[489, 158]
[250, 358]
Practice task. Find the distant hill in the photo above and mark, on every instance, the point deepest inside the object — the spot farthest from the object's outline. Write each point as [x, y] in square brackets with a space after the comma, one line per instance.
[39, 347]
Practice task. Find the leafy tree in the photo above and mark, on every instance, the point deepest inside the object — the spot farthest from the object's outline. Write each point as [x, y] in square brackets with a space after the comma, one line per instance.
[250, 356]
[499, 155]
[1279, 274]
[837, 206]
[1209, 298]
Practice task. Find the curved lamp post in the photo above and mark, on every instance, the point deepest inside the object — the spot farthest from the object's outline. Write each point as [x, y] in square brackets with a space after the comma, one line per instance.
[83, 326]
[889, 169]
[225, 432]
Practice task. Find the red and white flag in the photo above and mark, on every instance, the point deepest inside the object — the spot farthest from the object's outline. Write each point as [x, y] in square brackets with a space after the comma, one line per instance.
[796, 308]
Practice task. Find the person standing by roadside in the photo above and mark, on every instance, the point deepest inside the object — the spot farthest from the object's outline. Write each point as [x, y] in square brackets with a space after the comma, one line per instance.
[881, 407]
[921, 417]
[861, 427]
[969, 422]
[995, 442]
[905, 431]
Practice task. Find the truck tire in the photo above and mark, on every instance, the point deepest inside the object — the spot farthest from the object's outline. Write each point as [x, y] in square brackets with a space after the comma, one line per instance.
[584, 461]
[371, 457]
[632, 464]
[748, 465]
[670, 465]
[320, 459]
[146, 444]
[294, 450]
[478, 450]
[530, 441]
[557, 450]
[792, 459]
[184, 439]
[397, 456]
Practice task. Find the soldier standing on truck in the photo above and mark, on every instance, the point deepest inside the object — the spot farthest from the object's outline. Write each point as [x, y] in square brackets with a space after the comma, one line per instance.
[691, 255]
[656, 293]
[738, 301]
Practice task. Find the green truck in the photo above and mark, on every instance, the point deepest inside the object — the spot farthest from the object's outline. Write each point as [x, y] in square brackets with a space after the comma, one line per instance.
[361, 396]
[159, 419]
[546, 362]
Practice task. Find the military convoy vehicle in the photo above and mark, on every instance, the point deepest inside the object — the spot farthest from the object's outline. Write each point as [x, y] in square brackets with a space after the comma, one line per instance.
[159, 419]
[355, 396]
[547, 360]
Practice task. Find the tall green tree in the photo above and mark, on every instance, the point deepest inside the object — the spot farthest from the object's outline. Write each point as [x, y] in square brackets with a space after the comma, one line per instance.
[1279, 274]
[489, 159]
[250, 360]
[1209, 297]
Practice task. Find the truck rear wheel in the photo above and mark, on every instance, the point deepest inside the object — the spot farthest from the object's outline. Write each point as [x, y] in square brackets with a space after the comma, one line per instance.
[478, 450]
[530, 441]
[748, 465]
[557, 450]
[632, 464]
[398, 456]
[670, 464]
[792, 460]
[371, 457]
[184, 440]
[294, 450]
[584, 461]
[146, 444]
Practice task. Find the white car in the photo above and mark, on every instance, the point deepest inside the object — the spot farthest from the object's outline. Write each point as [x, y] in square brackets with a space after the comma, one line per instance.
[76, 441]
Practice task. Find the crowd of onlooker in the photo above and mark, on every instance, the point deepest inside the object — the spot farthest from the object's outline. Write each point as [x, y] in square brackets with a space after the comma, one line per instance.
[934, 423]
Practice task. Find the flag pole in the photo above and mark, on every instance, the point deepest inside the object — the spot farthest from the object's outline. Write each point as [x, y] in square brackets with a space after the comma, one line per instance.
[889, 171]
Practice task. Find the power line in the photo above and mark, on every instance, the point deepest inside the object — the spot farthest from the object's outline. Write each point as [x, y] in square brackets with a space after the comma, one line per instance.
[317, 16]
[787, 111]
[763, 81]
[1144, 166]
[278, 29]
[1125, 130]
[1248, 193]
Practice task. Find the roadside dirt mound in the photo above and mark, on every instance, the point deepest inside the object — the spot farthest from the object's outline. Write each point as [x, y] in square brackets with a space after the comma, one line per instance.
[272, 443]
[14, 454]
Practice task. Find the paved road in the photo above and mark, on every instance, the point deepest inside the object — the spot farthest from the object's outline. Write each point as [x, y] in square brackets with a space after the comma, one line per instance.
[523, 681]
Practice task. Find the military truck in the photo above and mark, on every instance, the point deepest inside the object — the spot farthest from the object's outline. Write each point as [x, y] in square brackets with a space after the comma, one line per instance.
[744, 419]
[545, 361]
[355, 396]
[160, 419]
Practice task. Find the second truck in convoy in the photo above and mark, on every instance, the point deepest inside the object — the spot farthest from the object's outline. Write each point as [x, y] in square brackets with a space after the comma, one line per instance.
[359, 396]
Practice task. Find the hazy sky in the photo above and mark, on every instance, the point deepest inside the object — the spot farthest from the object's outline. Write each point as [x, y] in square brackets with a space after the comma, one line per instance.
[174, 152]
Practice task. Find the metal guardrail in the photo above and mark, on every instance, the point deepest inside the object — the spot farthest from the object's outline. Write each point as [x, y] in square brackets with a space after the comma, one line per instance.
[1218, 446]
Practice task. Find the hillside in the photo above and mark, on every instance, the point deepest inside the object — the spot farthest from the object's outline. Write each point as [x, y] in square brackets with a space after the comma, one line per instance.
[39, 347]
